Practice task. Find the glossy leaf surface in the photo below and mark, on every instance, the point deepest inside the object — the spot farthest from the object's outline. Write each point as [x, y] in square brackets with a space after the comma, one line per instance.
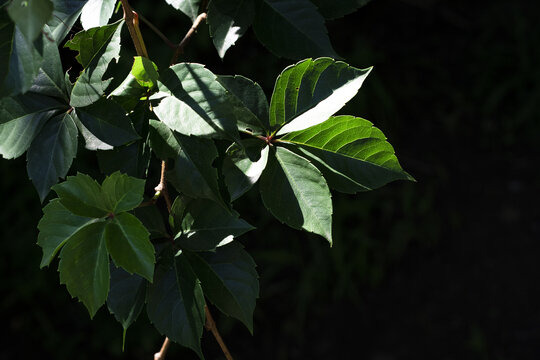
[96, 13]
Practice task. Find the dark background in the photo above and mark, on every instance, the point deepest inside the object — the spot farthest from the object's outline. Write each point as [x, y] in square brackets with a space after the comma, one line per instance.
[445, 268]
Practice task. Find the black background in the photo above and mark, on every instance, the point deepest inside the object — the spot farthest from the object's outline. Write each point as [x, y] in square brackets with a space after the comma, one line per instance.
[445, 268]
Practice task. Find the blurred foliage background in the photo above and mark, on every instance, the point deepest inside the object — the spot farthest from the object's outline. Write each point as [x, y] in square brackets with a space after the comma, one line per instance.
[445, 268]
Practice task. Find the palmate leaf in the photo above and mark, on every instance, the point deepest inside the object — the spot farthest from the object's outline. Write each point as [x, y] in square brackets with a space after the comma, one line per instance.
[228, 21]
[30, 16]
[352, 154]
[96, 13]
[21, 119]
[229, 280]
[331, 9]
[97, 47]
[175, 302]
[295, 192]
[292, 29]
[52, 152]
[206, 225]
[89, 222]
[311, 91]
[193, 102]
[188, 7]
[193, 173]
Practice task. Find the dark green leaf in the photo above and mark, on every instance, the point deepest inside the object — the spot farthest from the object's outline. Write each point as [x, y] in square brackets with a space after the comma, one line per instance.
[176, 214]
[145, 72]
[188, 7]
[352, 154]
[97, 13]
[331, 9]
[253, 114]
[242, 169]
[126, 296]
[129, 244]
[175, 303]
[296, 193]
[207, 225]
[122, 192]
[228, 21]
[91, 142]
[65, 14]
[84, 266]
[292, 29]
[30, 16]
[7, 28]
[311, 91]
[57, 226]
[107, 121]
[52, 152]
[193, 173]
[97, 47]
[21, 119]
[132, 159]
[229, 280]
[193, 102]
[83, 196]
[129, 93]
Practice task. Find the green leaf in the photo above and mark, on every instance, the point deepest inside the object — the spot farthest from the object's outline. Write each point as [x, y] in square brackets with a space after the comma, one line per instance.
[188, 7]
[296, 193]
[65, 14]
[207, 225]
[352, 154]
[132, 159]
[83, 196]
[193, 173]
[30, 16]
[7, 28]
[21, 119]
[91, 142]
[332, 9]
[193, 102]
[176, 215]
[122, 192]
[84, 266]
[129, 244]
[243, 169]
[97, 47]
[292, 29]
[50, 79]
[126, 296]
[145, 72]
[107, 121]
[56, 227]
[253, 105]
[175, 303]
[129, 93]
[97, 13]
[229, 280]
[52, 152]
[228, 22]
[311, 91]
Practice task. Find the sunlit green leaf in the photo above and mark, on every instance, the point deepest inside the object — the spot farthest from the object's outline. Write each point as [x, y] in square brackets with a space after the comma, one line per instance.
[296, 193]
[97, 13]
[188, 7]
[228, 21]
[145, 72]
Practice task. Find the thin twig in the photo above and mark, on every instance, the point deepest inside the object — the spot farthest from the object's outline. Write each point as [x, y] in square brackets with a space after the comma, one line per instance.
[211, 326]
[132, 21]
[161, 188]
[163, 351]
[158, 32]
[185, 40]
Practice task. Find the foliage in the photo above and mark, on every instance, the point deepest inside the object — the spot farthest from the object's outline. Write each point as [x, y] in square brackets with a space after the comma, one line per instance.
[215, 136]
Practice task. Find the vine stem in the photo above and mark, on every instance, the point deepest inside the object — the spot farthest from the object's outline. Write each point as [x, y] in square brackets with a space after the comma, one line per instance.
[180, 48]
[132, 21]
[161, 188]
[163, 351]
[211, 326]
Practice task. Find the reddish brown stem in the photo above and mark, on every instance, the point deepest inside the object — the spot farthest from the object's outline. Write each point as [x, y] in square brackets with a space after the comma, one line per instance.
[211, 326]
[162, 186]
[180, 49]
[132, 22]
